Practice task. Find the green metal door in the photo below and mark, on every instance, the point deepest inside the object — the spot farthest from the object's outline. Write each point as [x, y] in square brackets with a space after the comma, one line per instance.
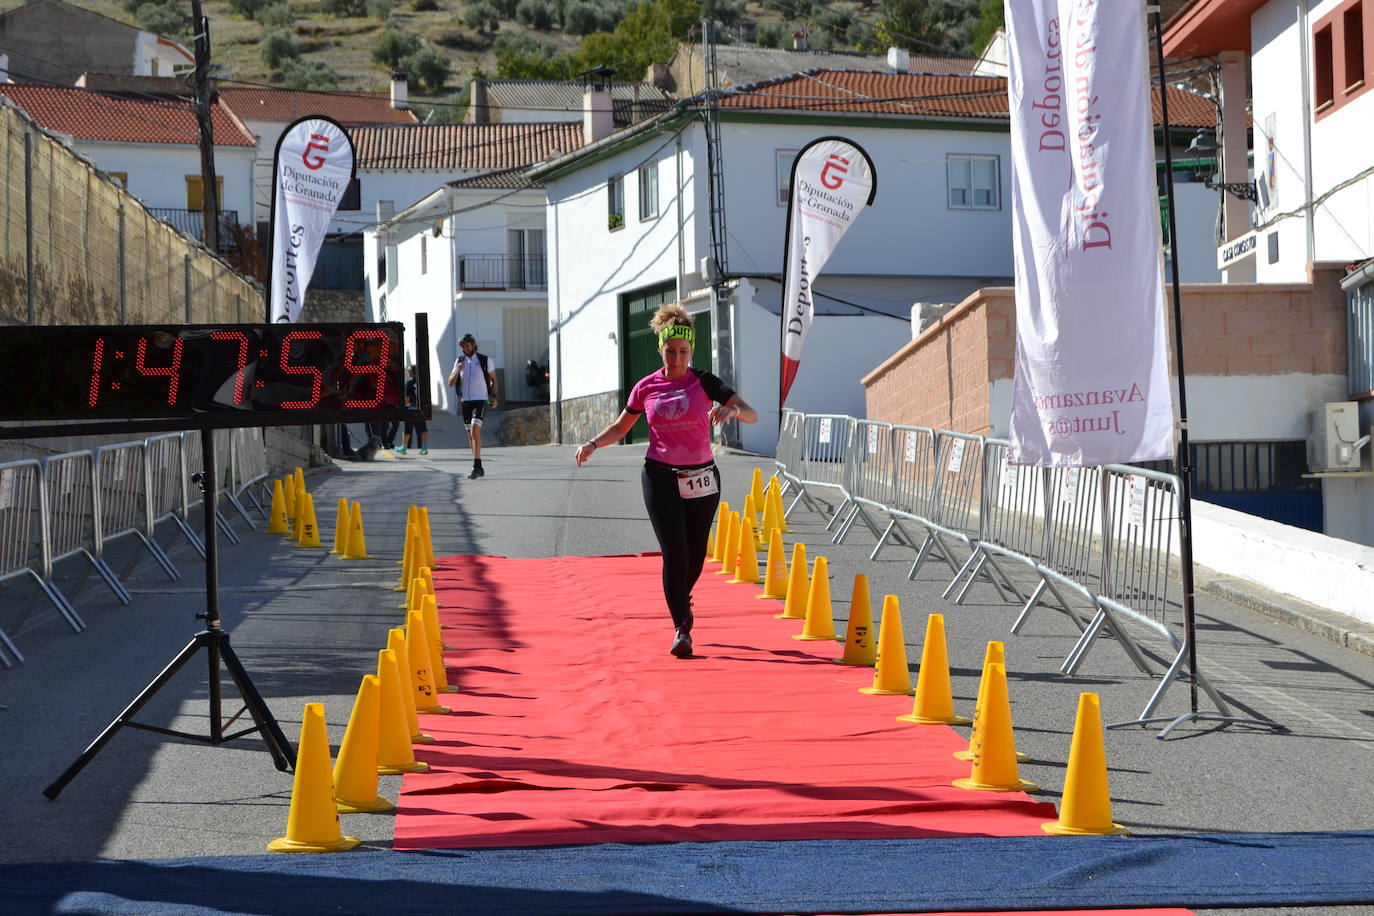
[640, 351]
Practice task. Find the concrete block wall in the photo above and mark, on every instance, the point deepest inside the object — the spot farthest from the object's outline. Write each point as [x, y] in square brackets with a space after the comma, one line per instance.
[586, 416]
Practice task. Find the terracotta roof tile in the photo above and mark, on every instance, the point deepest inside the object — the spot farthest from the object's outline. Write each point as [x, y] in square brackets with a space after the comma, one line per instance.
[93, 116]
[348, 108]
[463, 146]
[918, 95]
[547, 99]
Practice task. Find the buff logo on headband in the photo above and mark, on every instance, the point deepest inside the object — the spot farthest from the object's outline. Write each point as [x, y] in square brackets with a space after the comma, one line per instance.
[677, 330]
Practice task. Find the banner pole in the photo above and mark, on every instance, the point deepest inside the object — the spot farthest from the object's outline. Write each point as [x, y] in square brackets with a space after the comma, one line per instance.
[1183, 458]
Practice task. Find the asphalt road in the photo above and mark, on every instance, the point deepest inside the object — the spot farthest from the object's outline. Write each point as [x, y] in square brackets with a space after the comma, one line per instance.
[307, 624]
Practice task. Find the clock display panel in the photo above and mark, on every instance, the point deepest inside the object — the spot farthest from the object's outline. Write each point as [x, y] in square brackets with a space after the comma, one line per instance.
[225, 374]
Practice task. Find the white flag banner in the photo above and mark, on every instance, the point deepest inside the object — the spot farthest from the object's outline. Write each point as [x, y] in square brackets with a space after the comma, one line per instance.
[311, 171]
[1092, 377]
[832, 181]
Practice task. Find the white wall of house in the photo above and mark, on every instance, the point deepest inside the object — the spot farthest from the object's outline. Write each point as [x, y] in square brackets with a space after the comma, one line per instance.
[590, 265]
[422, 276]
[157, 172]
[1343, 228]
[155, 56]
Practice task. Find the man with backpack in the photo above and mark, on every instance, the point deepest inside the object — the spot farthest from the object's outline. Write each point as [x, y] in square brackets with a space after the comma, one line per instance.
[475, 380]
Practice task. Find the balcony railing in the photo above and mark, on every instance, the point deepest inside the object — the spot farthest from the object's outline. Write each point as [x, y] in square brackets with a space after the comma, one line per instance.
[502, 271]
[192, 223]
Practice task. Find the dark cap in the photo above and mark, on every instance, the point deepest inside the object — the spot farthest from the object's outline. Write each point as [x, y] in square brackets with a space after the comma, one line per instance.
[468, 338]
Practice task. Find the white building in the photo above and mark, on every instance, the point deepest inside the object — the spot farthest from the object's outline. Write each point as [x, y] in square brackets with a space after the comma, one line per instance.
[1311, 68]
[151, 148]
[466, 243]
[630, 227]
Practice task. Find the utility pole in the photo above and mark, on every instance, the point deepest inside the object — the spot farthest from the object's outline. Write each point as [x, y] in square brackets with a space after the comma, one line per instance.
[209, 193]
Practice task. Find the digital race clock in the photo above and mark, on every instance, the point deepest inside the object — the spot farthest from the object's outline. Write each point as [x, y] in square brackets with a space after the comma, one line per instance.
[146, 377]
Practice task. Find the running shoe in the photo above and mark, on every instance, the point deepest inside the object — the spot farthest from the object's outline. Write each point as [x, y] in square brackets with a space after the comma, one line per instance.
[682, 644]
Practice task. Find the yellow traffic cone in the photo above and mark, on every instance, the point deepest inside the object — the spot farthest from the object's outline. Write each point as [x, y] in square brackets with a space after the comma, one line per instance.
[1087, 804]
[711, 534]
[995, 652]
[300, 506]
[394, 754]
[412, 519]
[798, 586]
[396, 642]
[289, 496]
[428, 576]
[756, 491]
[278, 522]
[312, 825]
[747, 566]
[770, 516]
[340, 526]
[890, 674]
[775, 577]
[429, 613]
[820, 619]
[357, 539]
[934, 696]
[731, 558]
[994, 753]
[722, 529]
[422, 662]
[310, 530]
[355, 772]
[859, 647]
[776, 497]
[410, 562]
[406, 553]
[751, 511]
[427, 539]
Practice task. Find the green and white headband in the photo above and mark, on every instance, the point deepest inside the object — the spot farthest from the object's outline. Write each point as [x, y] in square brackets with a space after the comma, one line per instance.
[684, 331]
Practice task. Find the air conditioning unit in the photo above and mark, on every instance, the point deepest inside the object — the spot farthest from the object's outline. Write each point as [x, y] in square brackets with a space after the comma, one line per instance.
[1333, 437]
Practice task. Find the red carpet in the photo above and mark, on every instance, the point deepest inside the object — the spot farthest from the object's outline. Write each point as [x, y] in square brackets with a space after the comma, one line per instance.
[575, 725]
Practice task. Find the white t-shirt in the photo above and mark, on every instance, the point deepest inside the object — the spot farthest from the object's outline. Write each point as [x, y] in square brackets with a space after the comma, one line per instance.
[472, 384]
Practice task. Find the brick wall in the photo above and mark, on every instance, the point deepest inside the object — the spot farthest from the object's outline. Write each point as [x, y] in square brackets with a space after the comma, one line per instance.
[942, 378]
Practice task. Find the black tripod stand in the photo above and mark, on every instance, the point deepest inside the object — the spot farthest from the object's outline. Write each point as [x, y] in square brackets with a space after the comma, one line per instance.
[216, 644]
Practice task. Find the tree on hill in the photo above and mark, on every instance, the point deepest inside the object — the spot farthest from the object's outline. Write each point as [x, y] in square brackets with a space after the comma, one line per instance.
[926, 26]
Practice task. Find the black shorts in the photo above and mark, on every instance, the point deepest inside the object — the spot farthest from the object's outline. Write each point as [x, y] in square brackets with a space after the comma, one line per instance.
[472, 412]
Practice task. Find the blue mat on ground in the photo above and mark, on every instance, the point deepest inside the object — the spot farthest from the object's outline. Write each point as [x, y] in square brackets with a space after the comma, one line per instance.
[809, 876]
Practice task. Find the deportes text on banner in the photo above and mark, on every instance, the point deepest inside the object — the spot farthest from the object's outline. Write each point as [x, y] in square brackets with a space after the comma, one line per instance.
[1092, 380]
[832, 180]
[311, 171]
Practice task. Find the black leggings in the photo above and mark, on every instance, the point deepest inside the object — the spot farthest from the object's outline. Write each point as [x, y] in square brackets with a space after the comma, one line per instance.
[681, 526]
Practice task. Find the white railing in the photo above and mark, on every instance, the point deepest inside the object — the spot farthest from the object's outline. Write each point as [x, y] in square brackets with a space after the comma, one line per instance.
[1102, 535]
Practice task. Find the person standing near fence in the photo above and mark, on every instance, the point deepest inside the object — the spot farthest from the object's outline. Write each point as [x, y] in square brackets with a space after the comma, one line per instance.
[680, 480]
[475, 380]
[416, 430]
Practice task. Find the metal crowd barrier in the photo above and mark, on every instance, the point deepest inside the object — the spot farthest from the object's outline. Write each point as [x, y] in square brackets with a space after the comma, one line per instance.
[248, 466]
[122, 507]
[1102, 535]
[192, 495]
[824, 438]
[913, 484]
[24, 544]
[868, 479]
[71, 515]
[76, 503]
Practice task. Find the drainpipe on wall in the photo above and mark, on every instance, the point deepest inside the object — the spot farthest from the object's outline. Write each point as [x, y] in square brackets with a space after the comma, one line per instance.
[1234, 165]
[1306, 131]
[557, 304]
[449, 204]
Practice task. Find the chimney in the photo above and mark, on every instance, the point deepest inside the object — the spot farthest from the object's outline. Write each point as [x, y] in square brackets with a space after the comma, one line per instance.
[899, 60]
[799, 40]
[597, 121]
[400, 89]
[478, 112]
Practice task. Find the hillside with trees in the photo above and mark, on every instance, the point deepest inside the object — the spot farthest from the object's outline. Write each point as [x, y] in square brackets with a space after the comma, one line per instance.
[443, 44]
